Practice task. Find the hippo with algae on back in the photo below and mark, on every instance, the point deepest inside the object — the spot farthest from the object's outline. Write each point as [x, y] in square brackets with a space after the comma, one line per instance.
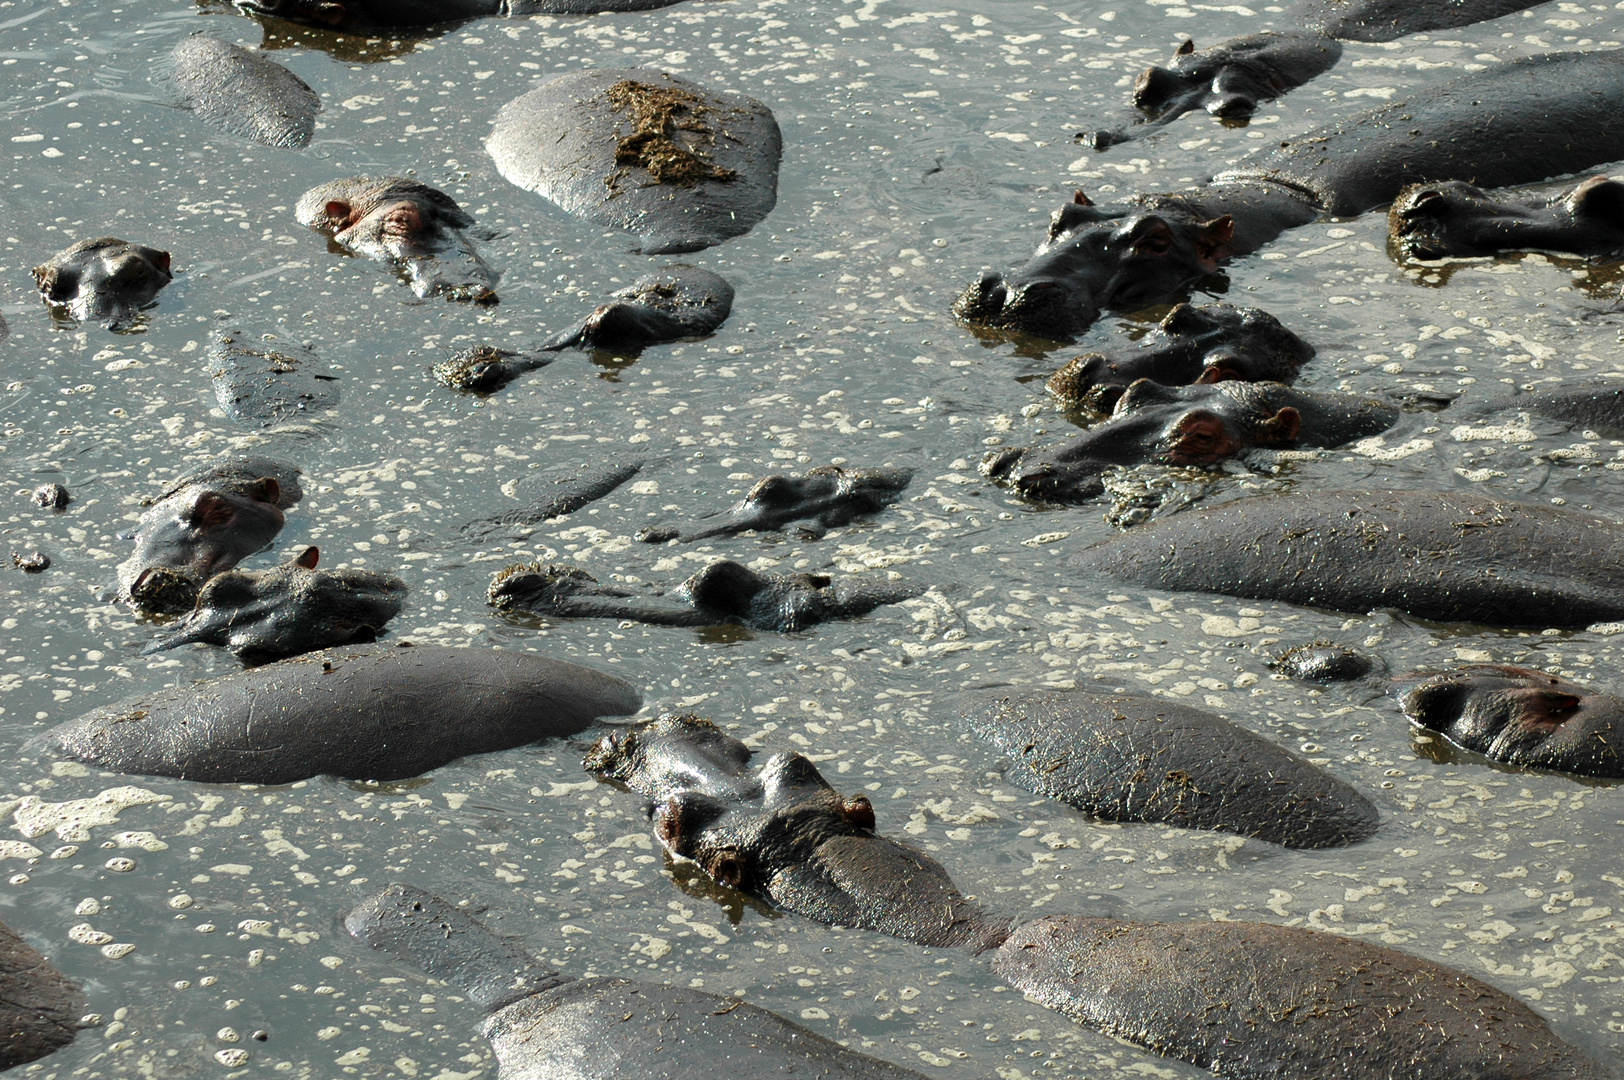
[1521, 122]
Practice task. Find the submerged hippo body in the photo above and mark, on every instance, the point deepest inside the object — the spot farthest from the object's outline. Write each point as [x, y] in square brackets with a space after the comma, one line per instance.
[1129, 758]
[368, 713]
[260, 384]
[485, 369]
[1585, 406]
[1187, 426]
[205, 523]
[670, 305]
[1522, 122]
[1441, 555]
[1251, 1001]
[681, 166]
[725, 592]
[783, 834]
[818, 500]
[1457, 219]
[243, 93]
[105, 280]
[399, 14]
[419, 230]
[290, 609]
[39, 1007]
[1207, 344]
[544, 1025]
[552, 494]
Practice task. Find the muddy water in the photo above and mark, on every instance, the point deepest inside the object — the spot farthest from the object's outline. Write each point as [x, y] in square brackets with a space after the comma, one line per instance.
[921, 144]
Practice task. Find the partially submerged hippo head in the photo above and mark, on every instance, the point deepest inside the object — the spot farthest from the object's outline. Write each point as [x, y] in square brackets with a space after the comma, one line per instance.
[1229, 79]
[815, 501]
[1455, 219]
[1520, 716]
[1208, 344]
[290, 609]
[105, 280]
[1095, 259]
[394, 219]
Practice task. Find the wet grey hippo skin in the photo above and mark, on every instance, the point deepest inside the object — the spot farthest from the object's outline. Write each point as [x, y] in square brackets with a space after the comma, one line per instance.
[1187, 426]
[1519, 716]
[544, 1025]
[368, 713]
[668, 305]
[552, 494]
[782, 833]
[51, 497]
[1133, 758]
[263, 384]
[204, 523]
[820, 499]
[1208, 344]
[1440, 221]
[1441, 555]
[39, 1007]
[419, 230]
[105, 280]
[1589, 406]
[1519, 123]
[243, 93]
[722, 593]
[287, 610]
[1230, 79]
[1258, 1002]
[681, 166]
[384, 14]
[484, 369]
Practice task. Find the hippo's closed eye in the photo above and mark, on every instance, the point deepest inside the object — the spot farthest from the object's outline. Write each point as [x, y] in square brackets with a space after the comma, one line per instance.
[403, 222]
[1547, 708]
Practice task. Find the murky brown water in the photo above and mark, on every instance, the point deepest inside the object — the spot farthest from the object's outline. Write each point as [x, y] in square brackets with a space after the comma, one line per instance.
[921, 144]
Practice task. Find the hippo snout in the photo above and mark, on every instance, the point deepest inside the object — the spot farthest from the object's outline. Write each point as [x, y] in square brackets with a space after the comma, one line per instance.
[1043, 306]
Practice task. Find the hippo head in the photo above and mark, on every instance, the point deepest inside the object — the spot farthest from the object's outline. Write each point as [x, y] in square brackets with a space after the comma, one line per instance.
[195, 534]
[1151, 424]
[291, 609]
[1521, 717]
[674, 752]
[1226, 81]
[1095, 259]
[1208, 344]
[106, 280]
[1455, 219]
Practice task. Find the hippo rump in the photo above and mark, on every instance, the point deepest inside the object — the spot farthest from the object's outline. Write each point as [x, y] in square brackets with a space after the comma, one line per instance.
[243, 93]
[262, 384]
[360, 15]
[681, 166]
[104, 280]
[552, 494]
[1133, 758]
[378, 713]
[1440, 555]
[668, 305]
[1457, 219]
[1522, 122]
[39, 1007]
[543, 1025]
[815, 502]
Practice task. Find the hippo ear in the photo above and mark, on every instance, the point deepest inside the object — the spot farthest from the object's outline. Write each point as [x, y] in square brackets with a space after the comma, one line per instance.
[212, 511]
[1599, 199]
[307, 558]
[774, 490]
[1211, 238]
[1186, 48]
[340, 215]
[1200, 438]
[266, 490]
[1154, 87]
[160, 259]
[1080, 199]
[1545, 708]
[1280, 429]
[55, 285]
[1185, 320]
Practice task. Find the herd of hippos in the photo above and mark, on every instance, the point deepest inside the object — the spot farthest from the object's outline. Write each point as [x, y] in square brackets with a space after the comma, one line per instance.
[684, 168]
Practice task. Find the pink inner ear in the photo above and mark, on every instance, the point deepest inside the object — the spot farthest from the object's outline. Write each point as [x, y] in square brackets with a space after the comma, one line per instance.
[1080, 199]
[307, 558]
[1187, 48]
[338, 213]
[161, 261]
[267, 490]
[212, 512]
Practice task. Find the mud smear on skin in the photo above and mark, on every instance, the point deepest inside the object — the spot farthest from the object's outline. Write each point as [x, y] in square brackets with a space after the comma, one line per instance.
[657, 113]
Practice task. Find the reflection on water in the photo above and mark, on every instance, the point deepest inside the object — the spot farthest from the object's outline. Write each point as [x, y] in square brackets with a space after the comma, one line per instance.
[921, 145]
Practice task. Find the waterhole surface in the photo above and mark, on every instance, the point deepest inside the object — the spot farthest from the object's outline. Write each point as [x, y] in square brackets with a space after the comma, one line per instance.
[922, 143]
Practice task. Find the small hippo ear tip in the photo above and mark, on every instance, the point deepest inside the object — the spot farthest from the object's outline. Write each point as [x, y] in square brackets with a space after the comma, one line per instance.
[308, 558]
[1186, 47]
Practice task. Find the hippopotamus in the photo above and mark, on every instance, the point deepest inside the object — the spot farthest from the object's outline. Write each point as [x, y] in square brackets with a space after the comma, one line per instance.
[205, 522]
[104, 280]
[419, 230]
[265, 385]
[1457, 219]
[553, 494]
[484, 369]
[290, 609]
[681, 166]
[39, 1007]
[783, 834]
[1519, 716]
[820, 499]
[367, 713]
[1448, 556]
[723, 592]
[1518, 123]
[1230, 79]
[668, 305]
[243, 93]
[542, 1023]
[1207, 344]
[1598, 406]
[1187, 426]
[361, 15]
[1124, 757]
